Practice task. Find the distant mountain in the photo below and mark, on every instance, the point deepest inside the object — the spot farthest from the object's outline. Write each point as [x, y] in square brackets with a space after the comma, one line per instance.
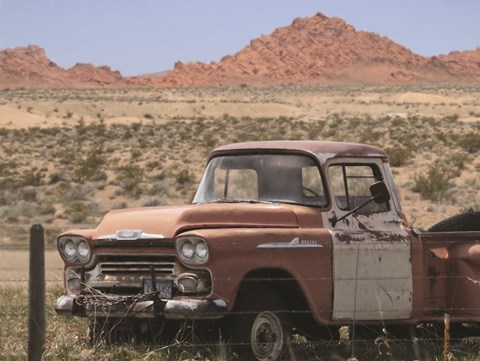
[311, 51]
[465, 63]
[326, 51]
[29, 67]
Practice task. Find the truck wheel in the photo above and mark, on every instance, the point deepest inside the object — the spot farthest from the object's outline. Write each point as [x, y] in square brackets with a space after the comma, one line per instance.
[267, 336]
[258, 328]
[466, 222]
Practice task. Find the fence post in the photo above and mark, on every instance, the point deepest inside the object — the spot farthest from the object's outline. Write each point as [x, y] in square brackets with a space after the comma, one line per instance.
[36, 290]
[446, 337]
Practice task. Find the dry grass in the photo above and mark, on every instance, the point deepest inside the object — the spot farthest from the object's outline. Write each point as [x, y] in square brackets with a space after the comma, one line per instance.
[67, 339]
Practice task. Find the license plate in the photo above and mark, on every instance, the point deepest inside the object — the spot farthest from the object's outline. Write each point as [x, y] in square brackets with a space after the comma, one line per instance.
[164, 287]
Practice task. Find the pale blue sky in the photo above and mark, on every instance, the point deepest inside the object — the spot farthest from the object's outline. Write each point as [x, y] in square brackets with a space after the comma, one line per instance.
[144, 36]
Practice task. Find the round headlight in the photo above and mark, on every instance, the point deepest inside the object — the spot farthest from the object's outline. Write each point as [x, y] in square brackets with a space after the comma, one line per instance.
[193, 250]
[74, 249]
[83, 249]
[201, 250]
[70, 249]
[188, 249]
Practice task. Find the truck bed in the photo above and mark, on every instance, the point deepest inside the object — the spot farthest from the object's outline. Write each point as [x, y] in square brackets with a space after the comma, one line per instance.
[451, 274]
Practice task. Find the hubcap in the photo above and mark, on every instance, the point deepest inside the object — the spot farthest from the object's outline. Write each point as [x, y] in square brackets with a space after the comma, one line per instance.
[267, 337]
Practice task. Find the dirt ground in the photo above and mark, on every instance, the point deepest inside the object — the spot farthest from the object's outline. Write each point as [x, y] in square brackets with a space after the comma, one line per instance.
[14, 267]
[48, 108]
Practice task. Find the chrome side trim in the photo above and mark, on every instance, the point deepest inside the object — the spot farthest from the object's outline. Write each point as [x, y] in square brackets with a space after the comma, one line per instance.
[294, 243]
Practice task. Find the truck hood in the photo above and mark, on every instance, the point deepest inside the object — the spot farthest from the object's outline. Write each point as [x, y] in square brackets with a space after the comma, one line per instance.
[169, 221]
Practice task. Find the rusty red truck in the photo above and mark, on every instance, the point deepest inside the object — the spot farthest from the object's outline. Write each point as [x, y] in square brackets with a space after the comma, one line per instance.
[306, 231]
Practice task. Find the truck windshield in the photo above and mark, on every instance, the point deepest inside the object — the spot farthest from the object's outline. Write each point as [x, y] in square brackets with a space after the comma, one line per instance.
[279, 178]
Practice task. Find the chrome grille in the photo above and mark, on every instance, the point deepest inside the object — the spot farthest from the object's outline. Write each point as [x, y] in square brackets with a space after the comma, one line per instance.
[137, 265]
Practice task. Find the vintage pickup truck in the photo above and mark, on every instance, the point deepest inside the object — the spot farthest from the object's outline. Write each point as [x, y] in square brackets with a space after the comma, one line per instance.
[281, 236]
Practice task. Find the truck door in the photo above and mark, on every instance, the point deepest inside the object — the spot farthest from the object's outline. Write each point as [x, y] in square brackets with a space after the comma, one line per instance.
[372, 269]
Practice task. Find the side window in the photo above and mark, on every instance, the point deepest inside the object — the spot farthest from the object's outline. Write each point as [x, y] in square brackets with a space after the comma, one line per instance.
[239, 184]
[351, 186]
[312, 186]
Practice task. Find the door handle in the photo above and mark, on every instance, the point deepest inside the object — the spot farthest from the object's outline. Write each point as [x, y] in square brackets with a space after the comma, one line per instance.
[393, 220]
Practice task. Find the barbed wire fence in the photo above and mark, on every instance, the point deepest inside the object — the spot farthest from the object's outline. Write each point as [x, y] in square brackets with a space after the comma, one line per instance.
[384, 343]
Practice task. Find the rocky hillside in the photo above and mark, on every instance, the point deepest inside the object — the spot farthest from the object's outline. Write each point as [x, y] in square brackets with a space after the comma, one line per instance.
[29, 67]
[311, 51]
[326, 51]
[466, 63]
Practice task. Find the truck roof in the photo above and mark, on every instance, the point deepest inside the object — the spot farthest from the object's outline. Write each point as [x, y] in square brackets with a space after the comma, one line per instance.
[322, 149]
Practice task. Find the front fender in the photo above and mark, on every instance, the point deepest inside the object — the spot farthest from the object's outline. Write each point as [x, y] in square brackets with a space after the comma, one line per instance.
[303, 254]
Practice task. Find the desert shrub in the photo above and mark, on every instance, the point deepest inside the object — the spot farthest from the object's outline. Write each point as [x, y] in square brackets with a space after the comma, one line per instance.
[99, 176]
[398, 156]
[130, 176]
[6, 183]
[183, 176]
[32, 177]
[89, 166]
[11, 220]
[457, 160]
[161, 187]
[137, 126]
[135, 154]
[120, 205]
[436, 182]
[29, 194]
[20, 209]
[470, 142]
[7, 166]
[46, 209]
[80, 128]
[152, 202]
[59, 189]
[127, 134]
[451, 118]
[55, 178]
[76, 212]
[396, 122]
[369, 136]
[51, 235]
[442, 137]
[153, 164]
[76, 193]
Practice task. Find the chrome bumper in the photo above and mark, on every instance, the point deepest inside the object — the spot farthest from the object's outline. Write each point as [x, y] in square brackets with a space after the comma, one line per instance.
[191, 309]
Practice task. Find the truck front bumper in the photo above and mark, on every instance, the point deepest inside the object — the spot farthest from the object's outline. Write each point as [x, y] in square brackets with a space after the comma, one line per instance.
[172, 309]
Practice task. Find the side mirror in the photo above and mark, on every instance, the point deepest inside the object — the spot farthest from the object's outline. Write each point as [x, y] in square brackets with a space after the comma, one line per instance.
[380, 192]
[380, 195]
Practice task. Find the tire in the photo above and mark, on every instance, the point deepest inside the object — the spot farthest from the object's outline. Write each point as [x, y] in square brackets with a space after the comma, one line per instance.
[267, 336]
[258, 328]
[466, 222]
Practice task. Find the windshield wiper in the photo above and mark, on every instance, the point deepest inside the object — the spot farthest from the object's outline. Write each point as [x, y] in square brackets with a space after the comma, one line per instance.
[220, 200]
[217, 200]
[255, 201]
